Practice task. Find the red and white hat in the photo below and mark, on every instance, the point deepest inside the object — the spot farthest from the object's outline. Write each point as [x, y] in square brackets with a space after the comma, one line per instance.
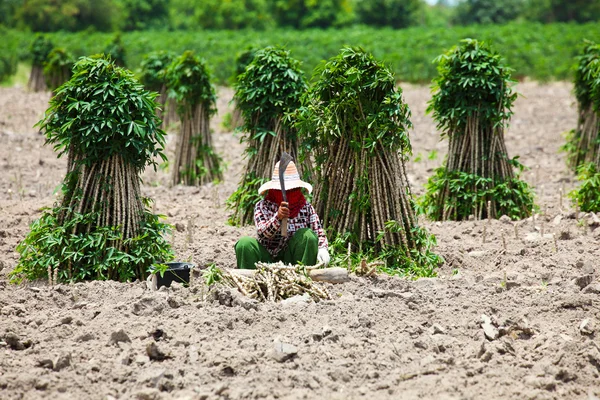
[291, 178]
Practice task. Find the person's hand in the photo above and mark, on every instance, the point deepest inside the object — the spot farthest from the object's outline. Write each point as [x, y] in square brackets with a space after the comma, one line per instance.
[323, 255]
[284, 211]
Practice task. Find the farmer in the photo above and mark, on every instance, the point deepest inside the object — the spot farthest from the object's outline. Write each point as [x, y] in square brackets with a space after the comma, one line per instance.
[305, 243]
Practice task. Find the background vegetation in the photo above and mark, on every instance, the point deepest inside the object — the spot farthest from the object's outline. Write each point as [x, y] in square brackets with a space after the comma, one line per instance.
[128, 15]
[540, 51]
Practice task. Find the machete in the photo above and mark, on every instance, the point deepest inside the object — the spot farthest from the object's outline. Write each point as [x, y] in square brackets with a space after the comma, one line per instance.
[283, 163]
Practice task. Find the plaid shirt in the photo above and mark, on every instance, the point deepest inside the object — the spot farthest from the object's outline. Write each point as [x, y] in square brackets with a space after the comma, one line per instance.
[268, 226]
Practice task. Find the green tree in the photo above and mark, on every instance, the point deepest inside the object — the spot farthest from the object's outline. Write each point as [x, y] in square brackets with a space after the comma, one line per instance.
[549, 11]
[70, 15]
[144, 14]
[394, 13]
[218, 14]
[312, 13]
[488, 11]
[8, 9]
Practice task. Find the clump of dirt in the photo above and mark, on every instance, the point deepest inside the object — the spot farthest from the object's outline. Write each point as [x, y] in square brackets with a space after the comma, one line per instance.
[535, 281]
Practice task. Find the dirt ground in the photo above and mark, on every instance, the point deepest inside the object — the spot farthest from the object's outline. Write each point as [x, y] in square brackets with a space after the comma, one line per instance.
[381, 338]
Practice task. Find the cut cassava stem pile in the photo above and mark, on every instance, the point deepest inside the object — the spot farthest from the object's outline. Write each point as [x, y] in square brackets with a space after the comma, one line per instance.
[40, 48]
[356, 124]
[57, 67]
[194, 154]
[583, 143]
[105, 121]
[153, 77]
[188, 81]
[268, 89]
[472, 105]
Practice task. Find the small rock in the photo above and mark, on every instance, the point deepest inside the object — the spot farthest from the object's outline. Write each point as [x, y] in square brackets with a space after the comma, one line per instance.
[62, 362]
[124, 358]
[180, 227]
[490, 331]
[594, 288]
[505, 218]
[15, 343]
[141, 360]
[283, 351]
[586, 327]
[66, 320]
[565, 235]
[565, 376]
[438, 329]
[119, 336]
[147, 394]
[155, 353]
[45, 363]
[477, 254]
[86, 337]
[41, 384]
[566, 338]
[583, 281]
[294, 300]
[419, 344]
[556, 221]
[193, 354]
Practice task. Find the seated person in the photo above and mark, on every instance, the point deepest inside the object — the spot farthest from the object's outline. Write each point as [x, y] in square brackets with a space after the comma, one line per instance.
[305, 242]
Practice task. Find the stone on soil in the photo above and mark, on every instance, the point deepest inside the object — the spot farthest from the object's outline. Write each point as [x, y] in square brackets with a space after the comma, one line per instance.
[489, 330]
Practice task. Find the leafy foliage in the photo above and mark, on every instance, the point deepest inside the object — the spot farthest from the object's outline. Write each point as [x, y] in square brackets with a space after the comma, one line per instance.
[549, 11]
[104, 111]
[472, 79]
[40, 49]
[89, 255]
[242, 60]
[393, 13]
[471, 105]
[245, 198]
[583, 143]
[270, 86]
[310, 13]
[116, 51]
[153, 69]
[105, 120]
[355, 97]
[586, 75]
[356, 124]
[217, 14]
[488, 11]
[541, 52]
[469, 192]
[8, 66]
[144, 14]
[587, 195]
[188, 80]
[69, 15]
[57, 68]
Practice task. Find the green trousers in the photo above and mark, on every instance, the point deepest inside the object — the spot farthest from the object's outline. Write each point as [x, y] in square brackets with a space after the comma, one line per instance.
[301, 249]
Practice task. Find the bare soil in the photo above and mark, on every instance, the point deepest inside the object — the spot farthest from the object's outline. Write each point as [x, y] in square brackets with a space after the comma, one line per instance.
[381, 338]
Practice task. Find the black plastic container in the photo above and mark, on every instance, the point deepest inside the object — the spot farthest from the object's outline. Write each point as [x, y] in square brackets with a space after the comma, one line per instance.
[177, 272]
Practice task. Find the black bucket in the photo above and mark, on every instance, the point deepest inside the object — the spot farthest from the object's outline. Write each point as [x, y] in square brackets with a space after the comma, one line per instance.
[176, 272]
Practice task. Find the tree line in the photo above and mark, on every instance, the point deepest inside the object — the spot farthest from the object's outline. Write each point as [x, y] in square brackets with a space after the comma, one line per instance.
[129, 15]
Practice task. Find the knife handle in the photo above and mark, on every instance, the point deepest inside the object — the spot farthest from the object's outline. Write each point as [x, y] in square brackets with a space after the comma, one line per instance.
[284, 223]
